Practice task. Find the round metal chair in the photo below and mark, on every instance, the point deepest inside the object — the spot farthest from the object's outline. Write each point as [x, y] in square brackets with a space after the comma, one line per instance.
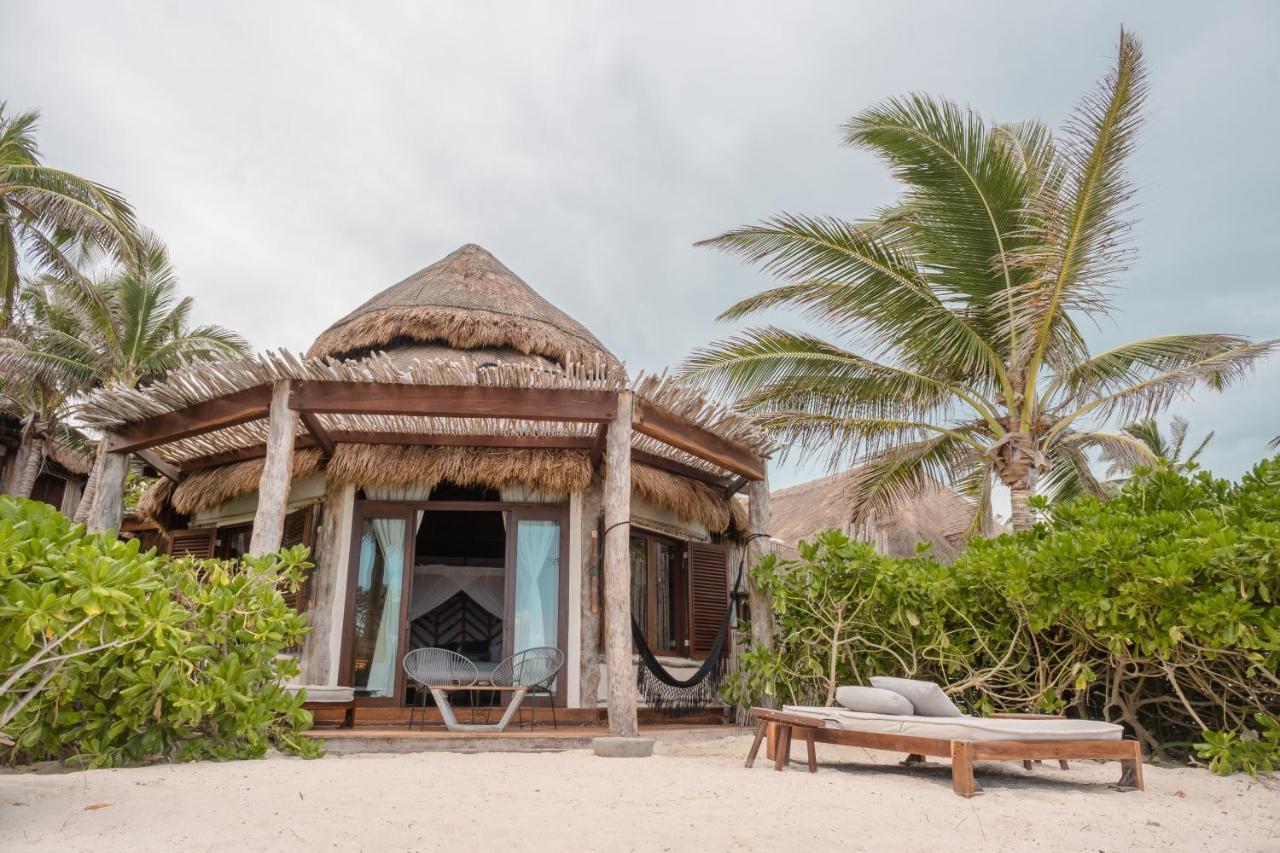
[437, 666]
[535, 669]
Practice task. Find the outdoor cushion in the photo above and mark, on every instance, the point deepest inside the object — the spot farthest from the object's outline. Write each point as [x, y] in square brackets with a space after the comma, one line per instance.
[873, 700]
[962, 728]
[926, 697]
[324, 692]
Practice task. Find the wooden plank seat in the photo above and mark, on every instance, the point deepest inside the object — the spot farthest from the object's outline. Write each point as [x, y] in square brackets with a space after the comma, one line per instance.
[782, 726]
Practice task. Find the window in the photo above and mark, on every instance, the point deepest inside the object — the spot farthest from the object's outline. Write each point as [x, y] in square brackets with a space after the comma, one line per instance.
[660, 592]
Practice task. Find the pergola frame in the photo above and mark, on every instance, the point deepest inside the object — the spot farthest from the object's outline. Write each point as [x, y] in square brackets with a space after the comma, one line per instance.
[293, 407]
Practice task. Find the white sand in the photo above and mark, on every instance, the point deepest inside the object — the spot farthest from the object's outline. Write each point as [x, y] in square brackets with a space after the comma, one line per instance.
[693, 795]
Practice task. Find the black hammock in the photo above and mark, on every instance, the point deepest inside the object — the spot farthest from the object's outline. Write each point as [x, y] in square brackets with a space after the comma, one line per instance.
[673, 696]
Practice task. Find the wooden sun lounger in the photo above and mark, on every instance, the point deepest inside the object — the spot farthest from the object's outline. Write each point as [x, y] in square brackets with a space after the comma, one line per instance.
[781, 726]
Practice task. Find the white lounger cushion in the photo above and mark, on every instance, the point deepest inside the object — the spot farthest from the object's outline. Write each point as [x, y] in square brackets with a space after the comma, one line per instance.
[873, 700]
[926, 698]
[324, 692]
[962, 728]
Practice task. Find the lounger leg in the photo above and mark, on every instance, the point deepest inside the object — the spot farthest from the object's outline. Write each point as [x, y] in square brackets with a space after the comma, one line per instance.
[1064, 764]
[771, 745]
[784, 748]
[1026, 765]
[912, 759]
[761, 730]
[962, 781]
[813, 752]
[1131, 771]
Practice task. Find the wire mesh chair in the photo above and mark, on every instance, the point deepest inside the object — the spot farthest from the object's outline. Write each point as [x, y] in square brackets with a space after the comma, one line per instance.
[437, 666]
[535, 669]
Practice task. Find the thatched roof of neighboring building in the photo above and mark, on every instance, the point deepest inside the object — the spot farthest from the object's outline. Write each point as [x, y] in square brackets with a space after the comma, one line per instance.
[467, 300]
[941, 517]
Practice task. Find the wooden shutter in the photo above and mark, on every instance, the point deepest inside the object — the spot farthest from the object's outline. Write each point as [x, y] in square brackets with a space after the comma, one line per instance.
[298, 531]
[192, 543]
[709, 595]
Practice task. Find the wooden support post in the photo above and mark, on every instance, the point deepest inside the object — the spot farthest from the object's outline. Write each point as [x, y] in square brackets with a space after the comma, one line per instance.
[108, 502]
[962, 781]
[328, 555]
[758, 520]
[617, 572]
[277, 474]
[589, 646]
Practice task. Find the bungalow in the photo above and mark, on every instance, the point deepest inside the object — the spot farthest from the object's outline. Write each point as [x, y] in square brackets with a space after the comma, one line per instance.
[463, 458]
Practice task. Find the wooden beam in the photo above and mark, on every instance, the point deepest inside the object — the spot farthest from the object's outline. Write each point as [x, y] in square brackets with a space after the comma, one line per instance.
[617, 572]
[240, 454]
[257, 451]
[277, 474]
[166, 469]
[555, 442]
[735, 486]
[693, 473]
[598, 445]
[318, 432]
[453, 401]
[666, 427]
[218, 413]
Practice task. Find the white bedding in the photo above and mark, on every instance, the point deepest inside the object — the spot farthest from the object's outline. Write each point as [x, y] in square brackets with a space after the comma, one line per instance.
[962, 728]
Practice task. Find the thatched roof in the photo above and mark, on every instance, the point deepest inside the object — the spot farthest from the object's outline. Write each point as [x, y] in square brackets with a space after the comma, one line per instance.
[467, 300]
[688, 499]
[214, 486]
[538, 469]
[941, 517]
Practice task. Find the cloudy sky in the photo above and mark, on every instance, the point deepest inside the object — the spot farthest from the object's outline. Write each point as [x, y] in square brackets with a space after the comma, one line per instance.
[299, 157]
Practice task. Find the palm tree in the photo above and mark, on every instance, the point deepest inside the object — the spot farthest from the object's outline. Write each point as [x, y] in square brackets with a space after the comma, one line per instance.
[47, 215]
[38, 399]
[1166, 451]
[964, 300]
[131, 328]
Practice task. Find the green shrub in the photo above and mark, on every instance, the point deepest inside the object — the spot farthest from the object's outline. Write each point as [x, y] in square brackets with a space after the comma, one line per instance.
[1157, 609]
[142, 656]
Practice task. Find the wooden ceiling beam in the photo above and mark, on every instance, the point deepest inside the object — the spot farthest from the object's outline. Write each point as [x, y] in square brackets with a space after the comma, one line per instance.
[317, 431]
[240, 454]
[165, 469]
[453, 401]
[554, 442]
[670, 429]
[671, 465]
[735, 486]
[221, 412]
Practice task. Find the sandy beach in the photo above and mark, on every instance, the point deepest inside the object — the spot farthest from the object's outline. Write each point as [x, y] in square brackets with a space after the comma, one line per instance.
[693, 794]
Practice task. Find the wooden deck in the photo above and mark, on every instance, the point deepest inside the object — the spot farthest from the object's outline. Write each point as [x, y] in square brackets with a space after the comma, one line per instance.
[540, 739]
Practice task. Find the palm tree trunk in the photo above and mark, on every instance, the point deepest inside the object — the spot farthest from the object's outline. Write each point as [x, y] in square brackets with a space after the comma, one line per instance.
[31, 467]
[1021, 518]
[91, 486]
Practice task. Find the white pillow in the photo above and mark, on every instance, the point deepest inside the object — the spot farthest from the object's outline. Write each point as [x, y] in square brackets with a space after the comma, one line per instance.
[925, 696]
[873, 700]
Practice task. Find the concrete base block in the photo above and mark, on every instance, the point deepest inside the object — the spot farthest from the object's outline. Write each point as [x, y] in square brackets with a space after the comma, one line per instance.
[623, 747]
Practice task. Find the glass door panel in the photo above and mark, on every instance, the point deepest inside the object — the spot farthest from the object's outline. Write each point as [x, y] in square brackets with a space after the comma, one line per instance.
[664, 593]
[377, 606]
[640, 582]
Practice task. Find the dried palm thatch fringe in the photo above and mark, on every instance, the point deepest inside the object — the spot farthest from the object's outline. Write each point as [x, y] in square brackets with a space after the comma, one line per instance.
[469, 329]
[74, 459]
[213, 486]
[155, 500]
[688, 499]
[539, 469]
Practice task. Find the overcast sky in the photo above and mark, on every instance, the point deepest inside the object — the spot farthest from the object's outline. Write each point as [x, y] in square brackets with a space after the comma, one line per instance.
[299, 157]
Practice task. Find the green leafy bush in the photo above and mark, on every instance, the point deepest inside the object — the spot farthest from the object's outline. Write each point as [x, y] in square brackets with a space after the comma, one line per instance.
[1157, 609]
[138, 656]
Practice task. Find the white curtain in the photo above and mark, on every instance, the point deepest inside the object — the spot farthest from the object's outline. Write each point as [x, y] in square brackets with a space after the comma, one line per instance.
[537, 584]
[390, 538]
